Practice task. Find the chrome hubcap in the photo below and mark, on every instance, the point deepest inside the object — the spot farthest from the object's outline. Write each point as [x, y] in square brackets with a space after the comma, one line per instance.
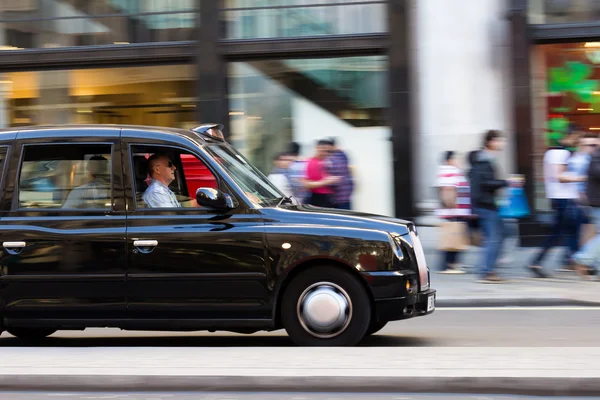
[324, 310]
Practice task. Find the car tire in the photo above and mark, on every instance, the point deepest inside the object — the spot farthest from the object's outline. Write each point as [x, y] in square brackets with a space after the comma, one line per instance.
[31, 333]
[326, 306]
[375, 327]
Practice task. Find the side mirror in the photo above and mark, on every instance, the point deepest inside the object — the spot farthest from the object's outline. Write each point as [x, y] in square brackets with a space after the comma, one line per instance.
[213, 198]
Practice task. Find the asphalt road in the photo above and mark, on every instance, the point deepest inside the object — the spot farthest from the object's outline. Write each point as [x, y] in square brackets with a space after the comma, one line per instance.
[562, 327]
[260, 396]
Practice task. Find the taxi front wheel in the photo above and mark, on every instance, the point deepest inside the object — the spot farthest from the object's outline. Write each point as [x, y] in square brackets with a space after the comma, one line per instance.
[326, 306]
[31, 333]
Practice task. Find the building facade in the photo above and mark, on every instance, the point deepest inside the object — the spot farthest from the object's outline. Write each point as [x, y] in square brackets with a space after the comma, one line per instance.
[556, 67]
[462, 85]
[272, 71]
[398, 82]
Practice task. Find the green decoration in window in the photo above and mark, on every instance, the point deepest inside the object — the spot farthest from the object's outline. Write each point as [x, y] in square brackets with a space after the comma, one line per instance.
[557, 128]
[562, 109]
[572, 79]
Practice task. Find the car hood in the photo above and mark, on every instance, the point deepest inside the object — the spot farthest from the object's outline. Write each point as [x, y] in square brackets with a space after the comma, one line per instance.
[310, 215]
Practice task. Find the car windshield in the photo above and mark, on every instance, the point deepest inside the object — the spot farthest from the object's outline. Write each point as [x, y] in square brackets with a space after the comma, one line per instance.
[256, 186]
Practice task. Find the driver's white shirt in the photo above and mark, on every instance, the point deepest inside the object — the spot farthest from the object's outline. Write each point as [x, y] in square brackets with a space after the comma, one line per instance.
[159, 195]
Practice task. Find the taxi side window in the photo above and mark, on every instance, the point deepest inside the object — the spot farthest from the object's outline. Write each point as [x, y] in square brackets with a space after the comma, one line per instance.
[68, 176]
[190, 173]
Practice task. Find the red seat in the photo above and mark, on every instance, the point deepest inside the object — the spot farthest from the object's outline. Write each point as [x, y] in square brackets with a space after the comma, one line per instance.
[197, 175]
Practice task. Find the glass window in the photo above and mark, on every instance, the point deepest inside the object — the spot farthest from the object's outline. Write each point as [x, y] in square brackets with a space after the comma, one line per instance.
[566, 96]
[291, 18]
[563, 11]
[158, 95]
[66, 176]
[181, 172]
[275, 102]
[62, 23]
[254, 184]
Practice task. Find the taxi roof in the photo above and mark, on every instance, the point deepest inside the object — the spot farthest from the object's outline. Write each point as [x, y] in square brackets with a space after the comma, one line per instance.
[108, 130]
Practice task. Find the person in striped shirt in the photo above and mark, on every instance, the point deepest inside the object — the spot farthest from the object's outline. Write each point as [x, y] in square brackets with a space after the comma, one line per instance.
[455, 197]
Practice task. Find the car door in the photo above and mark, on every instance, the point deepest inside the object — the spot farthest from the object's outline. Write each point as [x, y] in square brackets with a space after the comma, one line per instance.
[63, 241]
[190, 262]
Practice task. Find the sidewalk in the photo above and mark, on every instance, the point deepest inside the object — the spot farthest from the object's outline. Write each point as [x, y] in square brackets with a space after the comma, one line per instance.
[500, 370]
[521, 289]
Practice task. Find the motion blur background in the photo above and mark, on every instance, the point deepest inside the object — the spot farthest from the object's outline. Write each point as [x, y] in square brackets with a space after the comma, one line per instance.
[397, 81]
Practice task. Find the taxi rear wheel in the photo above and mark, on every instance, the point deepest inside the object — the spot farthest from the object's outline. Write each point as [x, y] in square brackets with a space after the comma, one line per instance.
[326, 306]
[31, 333]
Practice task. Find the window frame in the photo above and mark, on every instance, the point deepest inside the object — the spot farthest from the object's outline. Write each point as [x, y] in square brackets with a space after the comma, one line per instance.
[221, 184]
[245, 161]
[4, 172]
[16, 203]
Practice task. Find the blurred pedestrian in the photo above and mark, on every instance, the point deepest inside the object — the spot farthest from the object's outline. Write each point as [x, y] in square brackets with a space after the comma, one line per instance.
[455, 201]
[317, 179]
[278, 175]
[339, 166]
[577, 173]
[579, 163]
[484, 188]
[296, 172]
[587, 259]
[563, 195]
[473, 222]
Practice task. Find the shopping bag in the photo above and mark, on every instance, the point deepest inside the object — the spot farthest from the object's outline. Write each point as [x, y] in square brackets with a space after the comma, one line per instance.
[588, 231]
[514, 204]
[454, 236]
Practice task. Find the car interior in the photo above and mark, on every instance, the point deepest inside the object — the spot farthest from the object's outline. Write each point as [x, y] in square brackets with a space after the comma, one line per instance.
[190, 174]
[46, 179]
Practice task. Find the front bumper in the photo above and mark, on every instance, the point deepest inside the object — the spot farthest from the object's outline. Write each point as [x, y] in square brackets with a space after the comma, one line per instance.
[415, 305]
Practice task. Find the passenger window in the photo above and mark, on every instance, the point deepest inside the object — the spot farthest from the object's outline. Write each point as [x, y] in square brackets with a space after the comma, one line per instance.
[66, 176]
[168, 178]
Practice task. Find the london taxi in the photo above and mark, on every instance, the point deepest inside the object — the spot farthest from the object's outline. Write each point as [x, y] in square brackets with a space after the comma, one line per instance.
[237, 255]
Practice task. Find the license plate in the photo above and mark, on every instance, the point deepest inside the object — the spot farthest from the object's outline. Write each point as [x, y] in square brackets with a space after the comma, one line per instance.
[431, 303]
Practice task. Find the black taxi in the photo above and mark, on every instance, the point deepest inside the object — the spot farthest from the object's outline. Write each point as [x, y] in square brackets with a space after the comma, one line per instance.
[89, 239]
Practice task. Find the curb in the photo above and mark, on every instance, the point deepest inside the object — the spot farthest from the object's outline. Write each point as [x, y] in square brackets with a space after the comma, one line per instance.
[513, 302]
[479, 385]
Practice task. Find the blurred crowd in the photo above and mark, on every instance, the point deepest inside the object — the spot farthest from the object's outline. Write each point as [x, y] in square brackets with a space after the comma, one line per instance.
[475, 204]
[324, 180]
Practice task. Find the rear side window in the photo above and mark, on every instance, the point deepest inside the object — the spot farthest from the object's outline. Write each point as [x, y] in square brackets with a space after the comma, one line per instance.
[76, 176]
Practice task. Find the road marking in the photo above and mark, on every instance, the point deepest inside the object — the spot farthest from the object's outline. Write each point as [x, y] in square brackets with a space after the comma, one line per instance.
[517, 308]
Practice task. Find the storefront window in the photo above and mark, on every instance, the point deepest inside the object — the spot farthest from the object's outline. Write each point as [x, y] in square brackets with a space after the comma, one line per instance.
[275, 102]
[63, 23]
[157, 95]
[291, 18]
[563, 11]
[566, 88]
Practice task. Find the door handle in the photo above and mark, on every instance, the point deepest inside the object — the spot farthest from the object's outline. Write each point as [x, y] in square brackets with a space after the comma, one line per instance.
[14, 247]
[145, 246]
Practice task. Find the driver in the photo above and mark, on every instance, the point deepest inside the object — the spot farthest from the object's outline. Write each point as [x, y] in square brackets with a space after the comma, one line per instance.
[158, 193]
